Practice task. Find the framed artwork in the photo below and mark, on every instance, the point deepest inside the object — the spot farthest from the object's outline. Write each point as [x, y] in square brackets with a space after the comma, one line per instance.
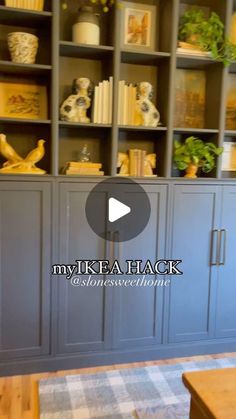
[25, 101]
[190, 96]
[229, 157]
[138, 26]
[231, 102]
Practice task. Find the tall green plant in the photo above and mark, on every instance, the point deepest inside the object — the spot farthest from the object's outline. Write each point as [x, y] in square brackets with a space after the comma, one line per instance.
[197, 152]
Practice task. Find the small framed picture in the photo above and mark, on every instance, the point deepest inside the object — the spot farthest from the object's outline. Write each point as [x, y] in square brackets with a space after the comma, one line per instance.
[138, 26]
[24, 101]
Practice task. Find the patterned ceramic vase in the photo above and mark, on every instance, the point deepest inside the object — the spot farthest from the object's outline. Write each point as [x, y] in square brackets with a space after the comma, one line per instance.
[23, 47]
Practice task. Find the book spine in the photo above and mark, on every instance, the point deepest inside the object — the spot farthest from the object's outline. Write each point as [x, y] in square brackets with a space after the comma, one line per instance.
[95, 112]
[100, 92]
[121, 102]
[110, 100]
[143, 156]
[134, 95]
[125, 108]
[105, 101]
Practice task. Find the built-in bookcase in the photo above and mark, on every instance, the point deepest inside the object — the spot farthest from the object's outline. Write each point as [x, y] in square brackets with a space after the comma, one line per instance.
[59, 61]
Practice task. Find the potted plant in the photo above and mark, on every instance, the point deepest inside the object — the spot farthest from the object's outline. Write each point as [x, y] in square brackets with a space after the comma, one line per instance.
[206, 34]
[195, 154]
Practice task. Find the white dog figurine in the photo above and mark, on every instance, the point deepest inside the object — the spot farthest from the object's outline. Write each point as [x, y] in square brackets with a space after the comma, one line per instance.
[74, 108]
[147, 114]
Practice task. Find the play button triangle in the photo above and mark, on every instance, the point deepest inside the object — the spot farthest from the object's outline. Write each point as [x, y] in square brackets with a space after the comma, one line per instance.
[117, 210]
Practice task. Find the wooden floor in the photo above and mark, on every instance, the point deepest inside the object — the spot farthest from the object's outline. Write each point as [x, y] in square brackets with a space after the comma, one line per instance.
[19, 394]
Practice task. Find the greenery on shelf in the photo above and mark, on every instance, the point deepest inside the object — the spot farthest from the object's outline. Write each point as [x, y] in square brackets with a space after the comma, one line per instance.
[105, 5]
[197, 153]
[207, 34]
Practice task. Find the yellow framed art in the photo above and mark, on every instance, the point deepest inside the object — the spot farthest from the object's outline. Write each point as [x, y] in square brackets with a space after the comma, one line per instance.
[23, 100]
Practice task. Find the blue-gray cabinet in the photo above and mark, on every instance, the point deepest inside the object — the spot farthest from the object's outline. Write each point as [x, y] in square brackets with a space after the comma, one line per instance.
[25, 247]
[138, 310]
[202, 301]
[225, 314]
[84, 313]
[196, 213]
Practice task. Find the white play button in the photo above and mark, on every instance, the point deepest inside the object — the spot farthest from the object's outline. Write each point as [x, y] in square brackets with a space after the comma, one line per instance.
[117, 210]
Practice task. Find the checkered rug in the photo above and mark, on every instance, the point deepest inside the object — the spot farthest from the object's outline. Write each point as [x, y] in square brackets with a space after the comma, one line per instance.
[151, 392]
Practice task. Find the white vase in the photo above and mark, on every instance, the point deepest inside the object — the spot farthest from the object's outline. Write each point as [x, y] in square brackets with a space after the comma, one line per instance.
[23, 47]
[86, 30]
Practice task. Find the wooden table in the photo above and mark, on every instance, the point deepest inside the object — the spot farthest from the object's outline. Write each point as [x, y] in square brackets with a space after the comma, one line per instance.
[213, 393]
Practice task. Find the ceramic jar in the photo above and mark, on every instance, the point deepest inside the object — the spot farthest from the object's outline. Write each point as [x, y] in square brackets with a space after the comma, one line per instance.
[23, 47]
[86, 30]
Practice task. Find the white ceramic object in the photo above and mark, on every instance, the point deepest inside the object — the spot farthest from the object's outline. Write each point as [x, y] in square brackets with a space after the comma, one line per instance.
[86, 33]
[23, 47]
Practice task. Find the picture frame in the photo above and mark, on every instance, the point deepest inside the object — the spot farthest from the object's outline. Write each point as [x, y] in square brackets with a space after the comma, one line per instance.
[138, 26]
[23, 101]
[229, 157]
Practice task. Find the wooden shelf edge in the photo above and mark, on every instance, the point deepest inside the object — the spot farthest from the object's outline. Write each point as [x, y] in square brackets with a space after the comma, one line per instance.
[18, 10]
[196, 130]
[80, 125]
[141, 128]
[25, 121]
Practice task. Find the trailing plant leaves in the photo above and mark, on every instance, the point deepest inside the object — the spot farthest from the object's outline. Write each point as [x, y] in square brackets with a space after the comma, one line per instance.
[197, 152]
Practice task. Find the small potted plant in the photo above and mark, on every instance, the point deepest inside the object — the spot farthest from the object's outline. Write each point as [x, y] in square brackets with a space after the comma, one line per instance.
[195, 154]
[206, 34]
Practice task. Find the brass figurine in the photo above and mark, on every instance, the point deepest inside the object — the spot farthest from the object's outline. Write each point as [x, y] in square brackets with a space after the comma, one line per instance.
[16, 164]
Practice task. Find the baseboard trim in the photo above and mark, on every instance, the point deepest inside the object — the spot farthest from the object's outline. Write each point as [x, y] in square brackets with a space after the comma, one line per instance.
[92, 359]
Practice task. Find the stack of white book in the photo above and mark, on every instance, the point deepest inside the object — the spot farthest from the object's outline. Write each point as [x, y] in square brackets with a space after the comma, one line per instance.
[126, 103]
[103, 102]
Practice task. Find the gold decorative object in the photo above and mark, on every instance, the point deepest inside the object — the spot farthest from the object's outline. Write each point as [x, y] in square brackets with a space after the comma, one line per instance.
[125, 164]
[16, 164]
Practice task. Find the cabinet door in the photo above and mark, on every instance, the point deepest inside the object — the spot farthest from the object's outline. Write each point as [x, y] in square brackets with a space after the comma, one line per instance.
[138, 310]
[24, 269]
[195, 215]
[226, 290]
[84, 316]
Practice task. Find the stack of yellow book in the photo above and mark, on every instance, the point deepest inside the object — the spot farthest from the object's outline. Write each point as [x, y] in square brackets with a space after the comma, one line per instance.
[83, 168]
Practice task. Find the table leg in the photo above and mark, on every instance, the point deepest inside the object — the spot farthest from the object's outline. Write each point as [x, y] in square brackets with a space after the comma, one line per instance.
[195, 412]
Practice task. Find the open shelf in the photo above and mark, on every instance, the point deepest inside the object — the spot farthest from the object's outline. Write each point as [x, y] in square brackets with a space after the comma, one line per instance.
[71, 49]
[26, 69]
[59, 61]
[28, 18]
[80, 125]
[193, 61]
[140, 128]
[20, 121]
[196, 131]
[143, 57]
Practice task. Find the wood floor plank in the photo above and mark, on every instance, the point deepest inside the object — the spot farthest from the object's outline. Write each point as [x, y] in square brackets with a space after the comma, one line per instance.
[19, 394]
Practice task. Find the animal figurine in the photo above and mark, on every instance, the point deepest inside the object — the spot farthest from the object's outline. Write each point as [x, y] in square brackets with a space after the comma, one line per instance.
[74, 108]
[16, 164]
[146, 114]
[123, 163]
[8, 152]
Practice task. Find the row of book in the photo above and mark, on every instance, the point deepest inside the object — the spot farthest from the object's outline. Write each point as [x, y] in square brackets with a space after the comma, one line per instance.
[126, 103]
[83, 168]
[137, 162]
[103, 102]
